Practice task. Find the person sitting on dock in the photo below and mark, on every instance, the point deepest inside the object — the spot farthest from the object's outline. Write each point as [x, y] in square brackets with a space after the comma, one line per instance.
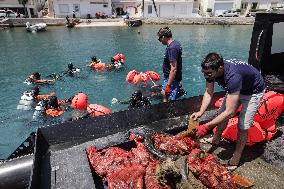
[244, 85]
[35, 79]
[172, 65]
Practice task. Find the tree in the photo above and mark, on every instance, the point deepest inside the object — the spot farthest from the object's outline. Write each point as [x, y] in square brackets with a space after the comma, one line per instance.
[24, 2]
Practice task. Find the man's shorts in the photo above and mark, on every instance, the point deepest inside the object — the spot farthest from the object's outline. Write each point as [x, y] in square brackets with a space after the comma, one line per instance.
[250, 105]
[174, 89]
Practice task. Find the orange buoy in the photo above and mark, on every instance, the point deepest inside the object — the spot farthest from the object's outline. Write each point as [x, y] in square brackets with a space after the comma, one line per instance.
[136, 79]
[79, 101]
[99, 66]
[40, 97]
[54, 112]
[130, 76]
[144, 77]
[98, 110]
[271, 107]
[271, 131]
[153, 75]
[255, 132]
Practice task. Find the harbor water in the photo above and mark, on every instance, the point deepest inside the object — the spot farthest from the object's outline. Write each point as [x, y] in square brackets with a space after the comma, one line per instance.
[22, 53]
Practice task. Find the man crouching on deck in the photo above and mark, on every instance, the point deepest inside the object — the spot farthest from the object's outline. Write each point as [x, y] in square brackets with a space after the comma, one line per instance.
[244, 85]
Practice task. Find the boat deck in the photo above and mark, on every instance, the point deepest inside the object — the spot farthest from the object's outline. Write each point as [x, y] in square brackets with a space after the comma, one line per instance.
[69, 167]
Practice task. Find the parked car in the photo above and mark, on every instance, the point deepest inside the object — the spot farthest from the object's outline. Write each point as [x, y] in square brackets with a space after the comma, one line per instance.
[229, 13]
[10, 14]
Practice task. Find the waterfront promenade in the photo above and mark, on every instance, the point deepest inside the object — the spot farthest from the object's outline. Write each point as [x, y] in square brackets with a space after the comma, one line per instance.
[21, 22]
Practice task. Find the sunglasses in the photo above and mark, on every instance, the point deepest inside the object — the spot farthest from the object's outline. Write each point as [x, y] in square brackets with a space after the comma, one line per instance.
[160, 38]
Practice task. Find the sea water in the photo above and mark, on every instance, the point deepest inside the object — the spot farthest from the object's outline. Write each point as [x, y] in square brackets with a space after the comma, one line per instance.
[22, 53]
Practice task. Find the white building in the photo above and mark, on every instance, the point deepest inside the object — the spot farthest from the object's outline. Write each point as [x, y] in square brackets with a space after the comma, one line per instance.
[218, 5]
[33, 6]
[63, 8]
[260, 4]
[169, 8]
[132, 7]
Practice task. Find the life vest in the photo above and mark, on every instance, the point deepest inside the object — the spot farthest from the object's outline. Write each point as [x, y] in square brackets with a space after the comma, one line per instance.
[54, 112]
[98, 110]
[40, 97]
[130, 76]
[153, 75]
[63, 102]
[136, 79]
[43, 81]
[99, 66]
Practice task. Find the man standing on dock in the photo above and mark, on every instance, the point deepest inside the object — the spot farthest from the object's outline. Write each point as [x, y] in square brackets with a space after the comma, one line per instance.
[172, 65]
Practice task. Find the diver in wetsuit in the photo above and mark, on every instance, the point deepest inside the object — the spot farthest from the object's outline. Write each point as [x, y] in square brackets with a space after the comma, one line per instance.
[34, 78]
[71, 70]
[137, 100]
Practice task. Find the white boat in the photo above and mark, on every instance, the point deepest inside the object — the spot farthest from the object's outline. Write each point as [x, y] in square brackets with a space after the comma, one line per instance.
[36, 27]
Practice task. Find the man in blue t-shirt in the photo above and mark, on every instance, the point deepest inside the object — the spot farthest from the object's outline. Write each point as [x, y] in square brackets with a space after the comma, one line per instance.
[244, 85]
[172, 65]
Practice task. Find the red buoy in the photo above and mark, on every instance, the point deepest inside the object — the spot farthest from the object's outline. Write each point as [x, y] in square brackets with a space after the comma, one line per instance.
[130, 76]
[136, 79]
[255, 132]
[271, 107]
[79, 101]
[144, 77]
[153, 75]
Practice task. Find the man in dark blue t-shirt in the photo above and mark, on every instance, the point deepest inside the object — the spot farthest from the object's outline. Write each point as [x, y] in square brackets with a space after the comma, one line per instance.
[244, 85]
[172, 65]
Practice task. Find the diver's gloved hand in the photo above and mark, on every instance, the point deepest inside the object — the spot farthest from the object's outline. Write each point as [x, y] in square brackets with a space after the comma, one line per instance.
[167, 90]
[201, 131]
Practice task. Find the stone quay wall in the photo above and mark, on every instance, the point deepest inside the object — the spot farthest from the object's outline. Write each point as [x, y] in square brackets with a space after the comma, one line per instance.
[162, 21]
[201, 21]
[21, 22]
